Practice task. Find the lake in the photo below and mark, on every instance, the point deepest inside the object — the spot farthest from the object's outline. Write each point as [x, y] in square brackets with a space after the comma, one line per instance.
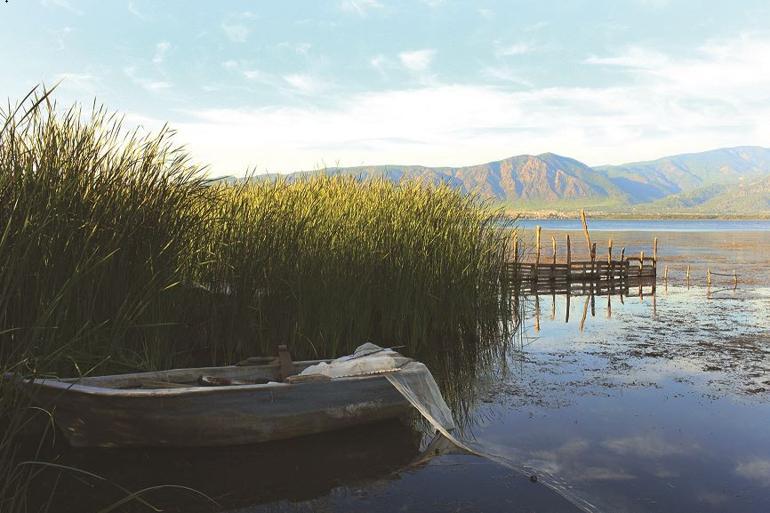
[653, 403]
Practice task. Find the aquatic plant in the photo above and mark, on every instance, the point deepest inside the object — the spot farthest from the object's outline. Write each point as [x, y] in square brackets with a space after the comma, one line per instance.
[118, 253]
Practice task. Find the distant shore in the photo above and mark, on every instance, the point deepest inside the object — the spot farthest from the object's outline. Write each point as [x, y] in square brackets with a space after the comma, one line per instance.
[598, 214]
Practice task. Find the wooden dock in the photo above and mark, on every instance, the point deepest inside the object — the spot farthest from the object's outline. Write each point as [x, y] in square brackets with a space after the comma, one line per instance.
[583, 276]
[595, 275]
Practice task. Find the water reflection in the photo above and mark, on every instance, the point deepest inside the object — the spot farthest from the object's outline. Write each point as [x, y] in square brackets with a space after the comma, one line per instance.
[295, 470]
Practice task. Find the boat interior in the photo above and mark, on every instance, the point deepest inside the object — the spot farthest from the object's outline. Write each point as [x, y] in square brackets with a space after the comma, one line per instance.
[252, 371]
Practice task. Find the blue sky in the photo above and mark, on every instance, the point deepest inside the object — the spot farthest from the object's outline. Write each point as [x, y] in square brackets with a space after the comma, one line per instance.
[282, 86]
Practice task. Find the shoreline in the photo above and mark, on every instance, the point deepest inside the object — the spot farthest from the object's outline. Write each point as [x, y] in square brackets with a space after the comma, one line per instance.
[559, 215]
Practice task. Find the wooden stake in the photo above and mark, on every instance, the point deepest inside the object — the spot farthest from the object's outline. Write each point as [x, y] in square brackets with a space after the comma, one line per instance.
[708, 276]
[537, 244]
[553, 248]
[585, 229]
[688, 276]
[735, 279]
[609, 252]
[641, 261]
[655, 251]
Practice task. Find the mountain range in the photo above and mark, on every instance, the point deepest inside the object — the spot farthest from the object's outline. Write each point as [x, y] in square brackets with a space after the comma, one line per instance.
[727, 181]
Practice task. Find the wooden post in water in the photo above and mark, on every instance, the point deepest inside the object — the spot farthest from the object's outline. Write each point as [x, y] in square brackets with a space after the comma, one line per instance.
[553, 249]
[593, 261]
[553, 260]
[641, 262]
[708, 276]
[655, 251]
[537, 254]
[609, 263]
[623, 273]
[569, 266]
[688, 276]
[665, 278]
[735, 279]
[585, 229]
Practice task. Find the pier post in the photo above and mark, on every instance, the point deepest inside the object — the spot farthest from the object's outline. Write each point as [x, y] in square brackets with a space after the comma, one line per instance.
[585, 229]
[553, 259]
[553, 248]
[569, 265]
[537, 255]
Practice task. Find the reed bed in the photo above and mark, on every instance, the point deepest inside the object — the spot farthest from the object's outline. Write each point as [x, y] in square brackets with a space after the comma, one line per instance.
[117, 253]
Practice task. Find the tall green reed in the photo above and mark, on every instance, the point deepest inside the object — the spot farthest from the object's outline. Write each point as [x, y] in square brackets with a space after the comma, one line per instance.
[117, 253]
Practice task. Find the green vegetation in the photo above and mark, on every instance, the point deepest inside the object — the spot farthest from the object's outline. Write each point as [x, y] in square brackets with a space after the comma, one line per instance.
[116, 253]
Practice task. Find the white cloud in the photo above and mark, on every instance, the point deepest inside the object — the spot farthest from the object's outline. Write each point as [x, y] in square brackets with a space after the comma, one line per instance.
[133, 9]
[360, 7]
[235, 27]
[717, 96]
[145, 83]
[757, 470]
[303, 83]
[63, 4]
[505, 74]
[417, 60]
[161, 49]
[649, 445]
[298, 48]
[514, 49]
[723, 69]
[82, 84]
[236, 32]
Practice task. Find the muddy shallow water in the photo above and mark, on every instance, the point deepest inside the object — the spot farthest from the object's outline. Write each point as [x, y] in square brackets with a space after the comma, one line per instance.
[654, 403]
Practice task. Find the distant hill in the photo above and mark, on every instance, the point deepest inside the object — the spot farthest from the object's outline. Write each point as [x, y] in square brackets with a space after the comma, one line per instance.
[655, 179]
[524, 179]
[728, 180]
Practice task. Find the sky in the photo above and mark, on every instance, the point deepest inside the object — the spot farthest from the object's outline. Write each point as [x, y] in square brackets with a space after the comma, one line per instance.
[281, 86]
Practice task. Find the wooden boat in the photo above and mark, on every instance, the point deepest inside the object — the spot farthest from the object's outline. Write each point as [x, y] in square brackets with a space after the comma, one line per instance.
[172, 408]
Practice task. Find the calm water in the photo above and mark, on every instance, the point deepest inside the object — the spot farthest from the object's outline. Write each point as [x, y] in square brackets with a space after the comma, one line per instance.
[650, 225]
[655, 403]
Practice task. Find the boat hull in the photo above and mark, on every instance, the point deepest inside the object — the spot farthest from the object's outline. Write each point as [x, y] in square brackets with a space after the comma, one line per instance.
[92, 416]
